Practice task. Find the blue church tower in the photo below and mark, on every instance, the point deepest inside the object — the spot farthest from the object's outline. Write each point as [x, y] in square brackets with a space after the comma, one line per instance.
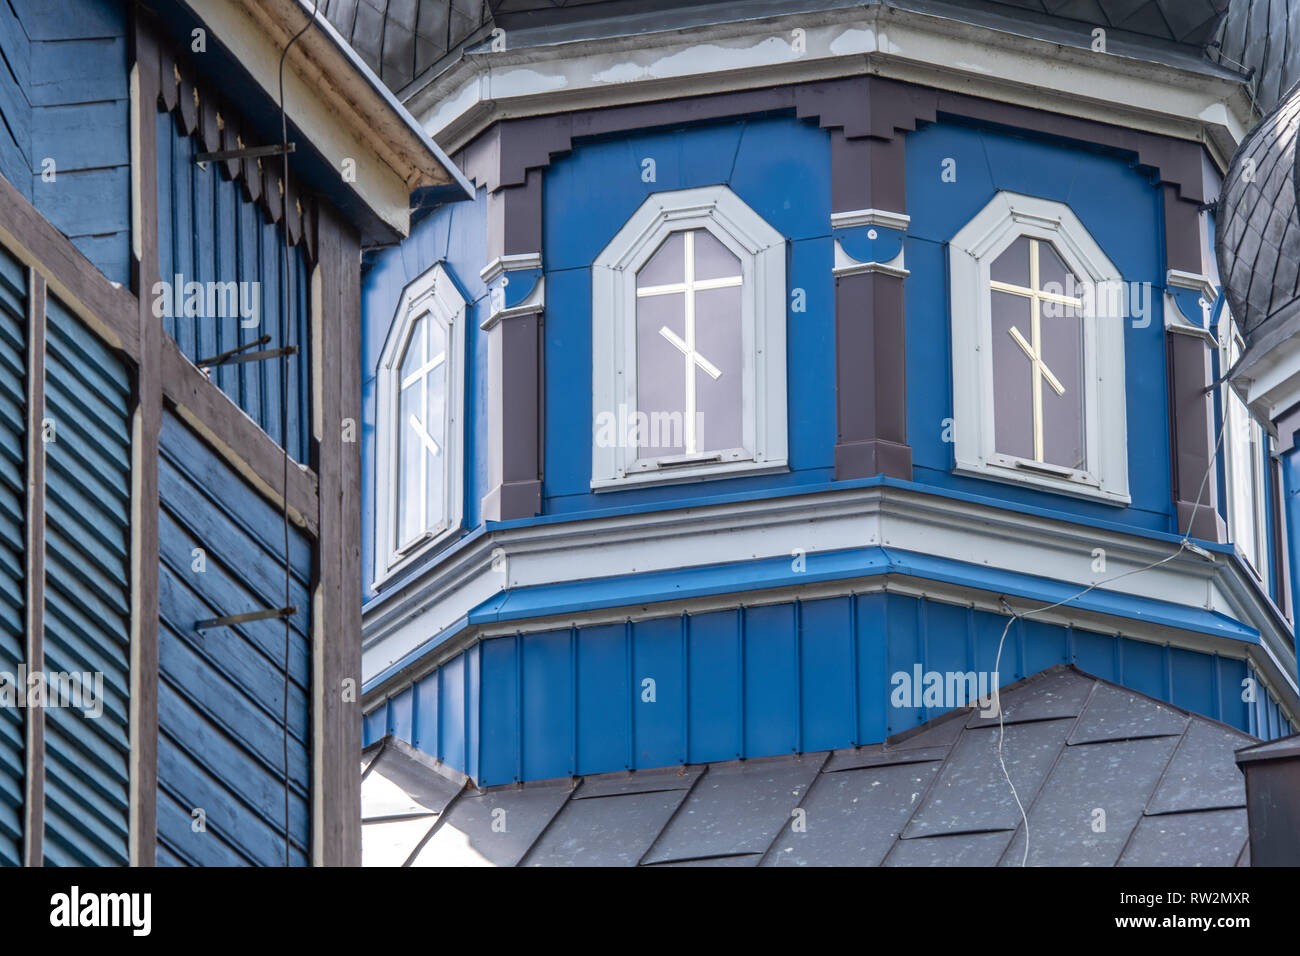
[816, 396]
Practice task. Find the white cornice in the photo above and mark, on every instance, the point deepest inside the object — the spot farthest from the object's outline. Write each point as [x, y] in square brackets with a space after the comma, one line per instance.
[922, 48]
[908, 520]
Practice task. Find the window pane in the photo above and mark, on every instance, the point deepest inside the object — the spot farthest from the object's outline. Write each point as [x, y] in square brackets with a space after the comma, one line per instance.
[713, 260]
[667, 265]
[1013, 408]
[1062, 347]
[660, 375]
[435, 423]
[720, 401]
[1053, 275]
[1013, 265]
[410, 403]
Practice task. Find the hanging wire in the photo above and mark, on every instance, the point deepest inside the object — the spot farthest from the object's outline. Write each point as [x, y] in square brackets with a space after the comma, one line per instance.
[286, 337]
[1183, 545]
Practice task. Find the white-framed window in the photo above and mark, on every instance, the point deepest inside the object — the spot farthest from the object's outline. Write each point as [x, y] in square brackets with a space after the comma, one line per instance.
[688, 343]
[419, 431]
[1038, 351]
[1244, 449]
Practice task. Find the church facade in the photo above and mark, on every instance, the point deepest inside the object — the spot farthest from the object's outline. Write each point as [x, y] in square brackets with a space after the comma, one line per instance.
[793, 378]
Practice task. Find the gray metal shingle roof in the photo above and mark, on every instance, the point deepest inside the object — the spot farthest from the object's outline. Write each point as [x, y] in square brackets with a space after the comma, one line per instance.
[1165, 780]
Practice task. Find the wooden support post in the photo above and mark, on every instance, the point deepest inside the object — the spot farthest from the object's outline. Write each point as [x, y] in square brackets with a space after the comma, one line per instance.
[34, 790]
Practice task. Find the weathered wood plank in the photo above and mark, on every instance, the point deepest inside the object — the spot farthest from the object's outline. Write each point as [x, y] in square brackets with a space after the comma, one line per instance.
[147, 425]
[34, 797]
[226, 427]
[110, 310]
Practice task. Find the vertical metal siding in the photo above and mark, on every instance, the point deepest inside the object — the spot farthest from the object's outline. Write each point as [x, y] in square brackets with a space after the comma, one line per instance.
[13, 437]
[220, 693]
[208, 231]
[757, 681]
[87, 592]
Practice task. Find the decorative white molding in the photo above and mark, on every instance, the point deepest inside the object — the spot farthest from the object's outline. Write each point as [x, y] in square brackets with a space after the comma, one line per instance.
[761, 251]
[513, 263]
[1007, 217]
[432, 294]
[870, 217]
[885, 40]
[846, 265]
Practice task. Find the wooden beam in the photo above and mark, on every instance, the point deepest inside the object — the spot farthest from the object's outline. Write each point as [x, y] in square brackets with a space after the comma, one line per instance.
[146, 425]
[236, 437]
[337, 625]
[34, 779]
[109, 310]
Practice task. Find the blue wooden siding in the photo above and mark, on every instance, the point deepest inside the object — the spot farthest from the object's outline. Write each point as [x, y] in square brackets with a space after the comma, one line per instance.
[1121, 207]
[220, 693]
[64, 97]
[456, 236]
[13, 489]
[87, 592]
[753, 682]
[208, 232]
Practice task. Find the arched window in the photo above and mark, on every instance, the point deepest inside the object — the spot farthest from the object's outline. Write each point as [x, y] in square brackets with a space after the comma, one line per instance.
[1038, 317]
[419, 434]
[688, 334]
[1245, 450]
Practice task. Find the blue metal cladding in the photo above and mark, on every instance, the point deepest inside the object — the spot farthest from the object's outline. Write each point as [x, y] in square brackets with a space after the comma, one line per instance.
[1121, 208]
[87, 592]
[780, 167]
[455, 235]
[758, 681]
[65, 109]
[13, 437]
[221, 700]
[208, 232]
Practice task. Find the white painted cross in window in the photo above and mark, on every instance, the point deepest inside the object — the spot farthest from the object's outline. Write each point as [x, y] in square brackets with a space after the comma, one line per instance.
[687, 288]
[420, 378]
[1033, 348]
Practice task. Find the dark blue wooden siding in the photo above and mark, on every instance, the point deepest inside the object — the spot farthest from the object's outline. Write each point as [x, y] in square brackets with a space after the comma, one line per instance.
[87, 592]
[208, 232]
[13, 437]
[220, 693]
[64, 97]
[754, 682]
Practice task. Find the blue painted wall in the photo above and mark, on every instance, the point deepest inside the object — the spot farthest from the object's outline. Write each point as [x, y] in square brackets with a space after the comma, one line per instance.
[13, 548]
[1121, 207]
[780, 168]
[761, 681]
[64, 97]
[220, 692]
[456, 236]
[87, 592]
[208, 231]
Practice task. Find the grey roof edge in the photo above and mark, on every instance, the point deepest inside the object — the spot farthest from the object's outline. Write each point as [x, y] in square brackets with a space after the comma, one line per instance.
[1281, 749]
[311, 9]
[398, 745]
[1004, 18]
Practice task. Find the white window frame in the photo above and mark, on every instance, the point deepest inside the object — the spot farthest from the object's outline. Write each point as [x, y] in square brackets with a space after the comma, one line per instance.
[1238, 448]
[1006, 218]
[433, 295]
[761, 251]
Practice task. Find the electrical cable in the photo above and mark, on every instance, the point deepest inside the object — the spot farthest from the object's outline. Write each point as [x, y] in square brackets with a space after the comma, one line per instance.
[1184, 544]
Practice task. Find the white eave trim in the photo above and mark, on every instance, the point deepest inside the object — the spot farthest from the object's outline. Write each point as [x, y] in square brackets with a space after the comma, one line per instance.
[340, 106]
[928, 49]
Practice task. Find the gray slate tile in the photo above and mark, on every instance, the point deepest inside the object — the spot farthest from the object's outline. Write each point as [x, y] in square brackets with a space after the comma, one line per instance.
[737, 808]
[853, 817]
[1211, 838]
[1203, 774]
[1116, 713]
[971, 793]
